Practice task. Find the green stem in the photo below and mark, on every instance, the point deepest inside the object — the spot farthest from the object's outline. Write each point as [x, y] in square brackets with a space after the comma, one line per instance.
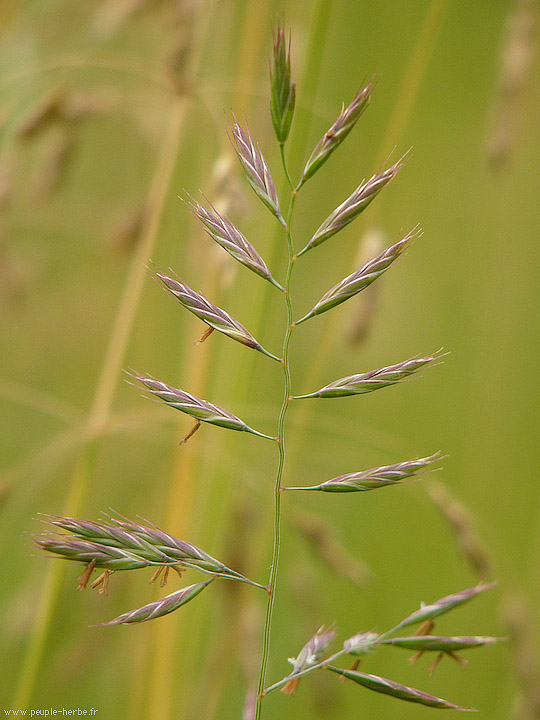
[287, 397]
[306, 671]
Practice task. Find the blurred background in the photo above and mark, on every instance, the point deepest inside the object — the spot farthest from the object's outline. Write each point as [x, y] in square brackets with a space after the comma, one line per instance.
[109, 111]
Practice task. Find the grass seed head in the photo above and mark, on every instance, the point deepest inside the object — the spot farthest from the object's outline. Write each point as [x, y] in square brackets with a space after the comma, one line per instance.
[374, 379]
[257, 172]
[376, 477]
[337, 133]
[206, 311]
[395, 689]
[191, 405]
[282, 91]
[356, 203]
[162, 607]
[362, 278]
[227, 235]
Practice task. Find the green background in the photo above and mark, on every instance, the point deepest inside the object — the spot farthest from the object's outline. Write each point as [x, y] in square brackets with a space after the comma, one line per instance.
[138, 94]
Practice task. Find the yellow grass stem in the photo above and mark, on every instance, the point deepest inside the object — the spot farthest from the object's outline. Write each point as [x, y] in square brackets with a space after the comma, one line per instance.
[53, 580]
[168, 636]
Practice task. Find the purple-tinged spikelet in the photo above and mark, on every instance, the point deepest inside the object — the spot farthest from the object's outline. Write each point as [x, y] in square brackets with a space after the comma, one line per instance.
[362, 278]
[395, 689]
[162, 607]
[209, 313]
[444, 605]
[337, 133]
[255, 167]
[374, 379]
[194, 406]
[374, 478]
[309, 655]
[353, 205]
[227, 235]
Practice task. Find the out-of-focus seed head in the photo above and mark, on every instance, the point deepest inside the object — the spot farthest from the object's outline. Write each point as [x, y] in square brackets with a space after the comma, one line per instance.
[436, 643]
[308, 656]
[444, 605]
[361, 643]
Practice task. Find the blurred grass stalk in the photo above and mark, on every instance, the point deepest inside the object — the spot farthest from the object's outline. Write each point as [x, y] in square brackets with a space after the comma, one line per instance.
[110, 375]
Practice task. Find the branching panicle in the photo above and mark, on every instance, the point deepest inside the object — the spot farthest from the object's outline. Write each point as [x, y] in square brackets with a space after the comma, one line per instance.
[120, 544]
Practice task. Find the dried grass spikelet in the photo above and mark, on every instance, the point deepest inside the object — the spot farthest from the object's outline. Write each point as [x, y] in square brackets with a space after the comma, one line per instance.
[48, 109]
[127, 229]
[181, 21]
[112, 16]
[56, 147]
[518, 49]
[321, 537]
[462, 526]
[523, 630]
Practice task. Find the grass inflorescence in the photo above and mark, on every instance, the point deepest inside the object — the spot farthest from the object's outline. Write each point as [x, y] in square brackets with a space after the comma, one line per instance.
[120, 544]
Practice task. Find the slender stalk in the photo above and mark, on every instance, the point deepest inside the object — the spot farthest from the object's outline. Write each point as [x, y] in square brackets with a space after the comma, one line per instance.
[307, 670]
[287, 397]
